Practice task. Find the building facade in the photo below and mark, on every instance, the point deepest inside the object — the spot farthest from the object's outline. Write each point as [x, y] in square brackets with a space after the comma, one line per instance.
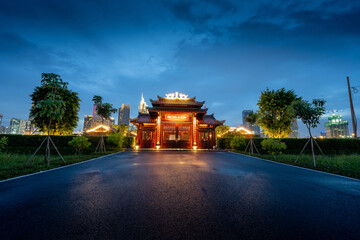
[176, 121]
[295, 130]
[124, 114]
[336, 128]
[1, 118]
[14, 126]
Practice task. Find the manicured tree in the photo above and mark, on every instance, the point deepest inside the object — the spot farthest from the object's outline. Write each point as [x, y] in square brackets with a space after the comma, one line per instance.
[48, 111]
[104, 110]
[310, 114]
[251, 119]
[275, 113]
[71, 100]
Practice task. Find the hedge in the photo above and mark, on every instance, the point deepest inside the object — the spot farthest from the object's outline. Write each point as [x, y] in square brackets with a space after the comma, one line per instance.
[295, 145]
[27, 144]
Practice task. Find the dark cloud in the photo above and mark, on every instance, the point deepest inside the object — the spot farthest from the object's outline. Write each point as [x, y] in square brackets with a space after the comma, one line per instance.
[224, 52]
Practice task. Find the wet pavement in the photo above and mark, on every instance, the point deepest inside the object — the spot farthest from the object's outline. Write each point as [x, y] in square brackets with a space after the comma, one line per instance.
[180, 195]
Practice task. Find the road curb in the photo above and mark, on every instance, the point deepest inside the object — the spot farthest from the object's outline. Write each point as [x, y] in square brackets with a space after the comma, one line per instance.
[53, 169]
[289, 165]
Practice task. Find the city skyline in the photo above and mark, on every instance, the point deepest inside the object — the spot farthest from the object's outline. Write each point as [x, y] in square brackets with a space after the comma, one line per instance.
[222, 51]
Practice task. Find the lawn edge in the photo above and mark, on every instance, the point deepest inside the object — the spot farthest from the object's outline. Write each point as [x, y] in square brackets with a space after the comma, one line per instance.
[57, 168]
[333, 174]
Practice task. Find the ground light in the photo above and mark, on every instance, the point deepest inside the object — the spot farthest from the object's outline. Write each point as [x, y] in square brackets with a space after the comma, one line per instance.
[137, 147]
[194, 147]
[157, 147]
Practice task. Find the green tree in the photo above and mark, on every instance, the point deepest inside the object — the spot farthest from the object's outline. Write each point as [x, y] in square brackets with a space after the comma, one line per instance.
[276, 113]
[221, 130]
[49, 108]
[79, 143]
[104, 110]
[310, 114]
[52, 84]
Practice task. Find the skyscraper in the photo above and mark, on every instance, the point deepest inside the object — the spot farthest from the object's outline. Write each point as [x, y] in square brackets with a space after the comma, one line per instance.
[1, 117]
[14, 126]
[245, 114]
[143, 107]
[23, 126]
[295, 130]
[336, 128]
[124, 114]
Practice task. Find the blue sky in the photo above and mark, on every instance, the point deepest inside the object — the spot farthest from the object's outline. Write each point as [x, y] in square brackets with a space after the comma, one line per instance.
[223, 52]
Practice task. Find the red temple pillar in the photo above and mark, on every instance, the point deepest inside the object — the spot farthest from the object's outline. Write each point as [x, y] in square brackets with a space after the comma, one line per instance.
[158, 133]
[194, 133]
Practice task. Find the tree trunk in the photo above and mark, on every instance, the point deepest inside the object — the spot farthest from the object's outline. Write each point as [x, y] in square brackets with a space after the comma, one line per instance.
[312, 147]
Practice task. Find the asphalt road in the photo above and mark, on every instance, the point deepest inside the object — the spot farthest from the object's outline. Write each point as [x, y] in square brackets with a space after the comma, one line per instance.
[180, 195]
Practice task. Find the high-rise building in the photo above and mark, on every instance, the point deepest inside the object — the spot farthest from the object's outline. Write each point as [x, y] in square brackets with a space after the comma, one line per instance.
[4, 130]
[24, 125]
[1, 118]
[336, 128]
[124, 114]
[255, 128]
[14, 126]
[143, 107]
[295, 130]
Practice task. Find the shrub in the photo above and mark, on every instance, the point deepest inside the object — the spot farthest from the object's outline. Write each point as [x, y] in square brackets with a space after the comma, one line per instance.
[224, 143]
[3, 143]
[238, 143]
[129, 142]
[79, 143]
[116, 139]
[273, 146]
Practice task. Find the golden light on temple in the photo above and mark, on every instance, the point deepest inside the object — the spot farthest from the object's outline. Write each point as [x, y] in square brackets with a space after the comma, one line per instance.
[244, 131]
[98, 128]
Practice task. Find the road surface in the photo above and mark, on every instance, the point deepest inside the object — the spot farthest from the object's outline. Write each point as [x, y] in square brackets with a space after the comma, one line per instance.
[180, 195]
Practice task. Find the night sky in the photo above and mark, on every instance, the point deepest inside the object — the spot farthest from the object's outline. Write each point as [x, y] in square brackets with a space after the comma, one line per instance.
[223, 52]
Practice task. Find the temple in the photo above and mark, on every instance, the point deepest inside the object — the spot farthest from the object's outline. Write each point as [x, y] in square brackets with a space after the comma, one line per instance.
[176, 121]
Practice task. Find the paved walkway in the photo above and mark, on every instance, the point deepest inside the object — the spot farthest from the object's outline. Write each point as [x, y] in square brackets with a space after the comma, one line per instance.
[180, 195]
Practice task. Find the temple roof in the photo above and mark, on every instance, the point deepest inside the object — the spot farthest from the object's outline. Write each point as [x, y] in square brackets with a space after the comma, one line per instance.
[143, 118]
[210, 119]
[176, 109]
[164, 101]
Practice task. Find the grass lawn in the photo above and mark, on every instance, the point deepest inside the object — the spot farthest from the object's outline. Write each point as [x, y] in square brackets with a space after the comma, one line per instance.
[13, 165]
[346, 165]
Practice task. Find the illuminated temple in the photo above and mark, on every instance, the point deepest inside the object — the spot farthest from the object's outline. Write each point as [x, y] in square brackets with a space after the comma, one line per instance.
[176, 121]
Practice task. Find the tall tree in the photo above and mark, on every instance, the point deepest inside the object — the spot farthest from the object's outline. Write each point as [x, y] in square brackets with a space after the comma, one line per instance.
[310, 114]
[49, 108]
[71, 100]
[104, 110]
[275, 114]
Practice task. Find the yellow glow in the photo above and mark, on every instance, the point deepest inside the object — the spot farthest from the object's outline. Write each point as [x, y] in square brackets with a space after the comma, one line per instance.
[157, 147]
[97, 127]
[137, 147]
[177, 117]
[194, 147]
[246, 131]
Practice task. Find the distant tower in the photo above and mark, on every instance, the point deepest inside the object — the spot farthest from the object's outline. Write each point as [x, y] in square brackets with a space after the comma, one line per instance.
[143, 107]
[1, 117]
[295, 130]
[124, 114]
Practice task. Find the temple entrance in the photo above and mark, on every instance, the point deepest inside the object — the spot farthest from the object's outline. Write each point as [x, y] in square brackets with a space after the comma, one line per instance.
[148, 138]
[176, 135]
